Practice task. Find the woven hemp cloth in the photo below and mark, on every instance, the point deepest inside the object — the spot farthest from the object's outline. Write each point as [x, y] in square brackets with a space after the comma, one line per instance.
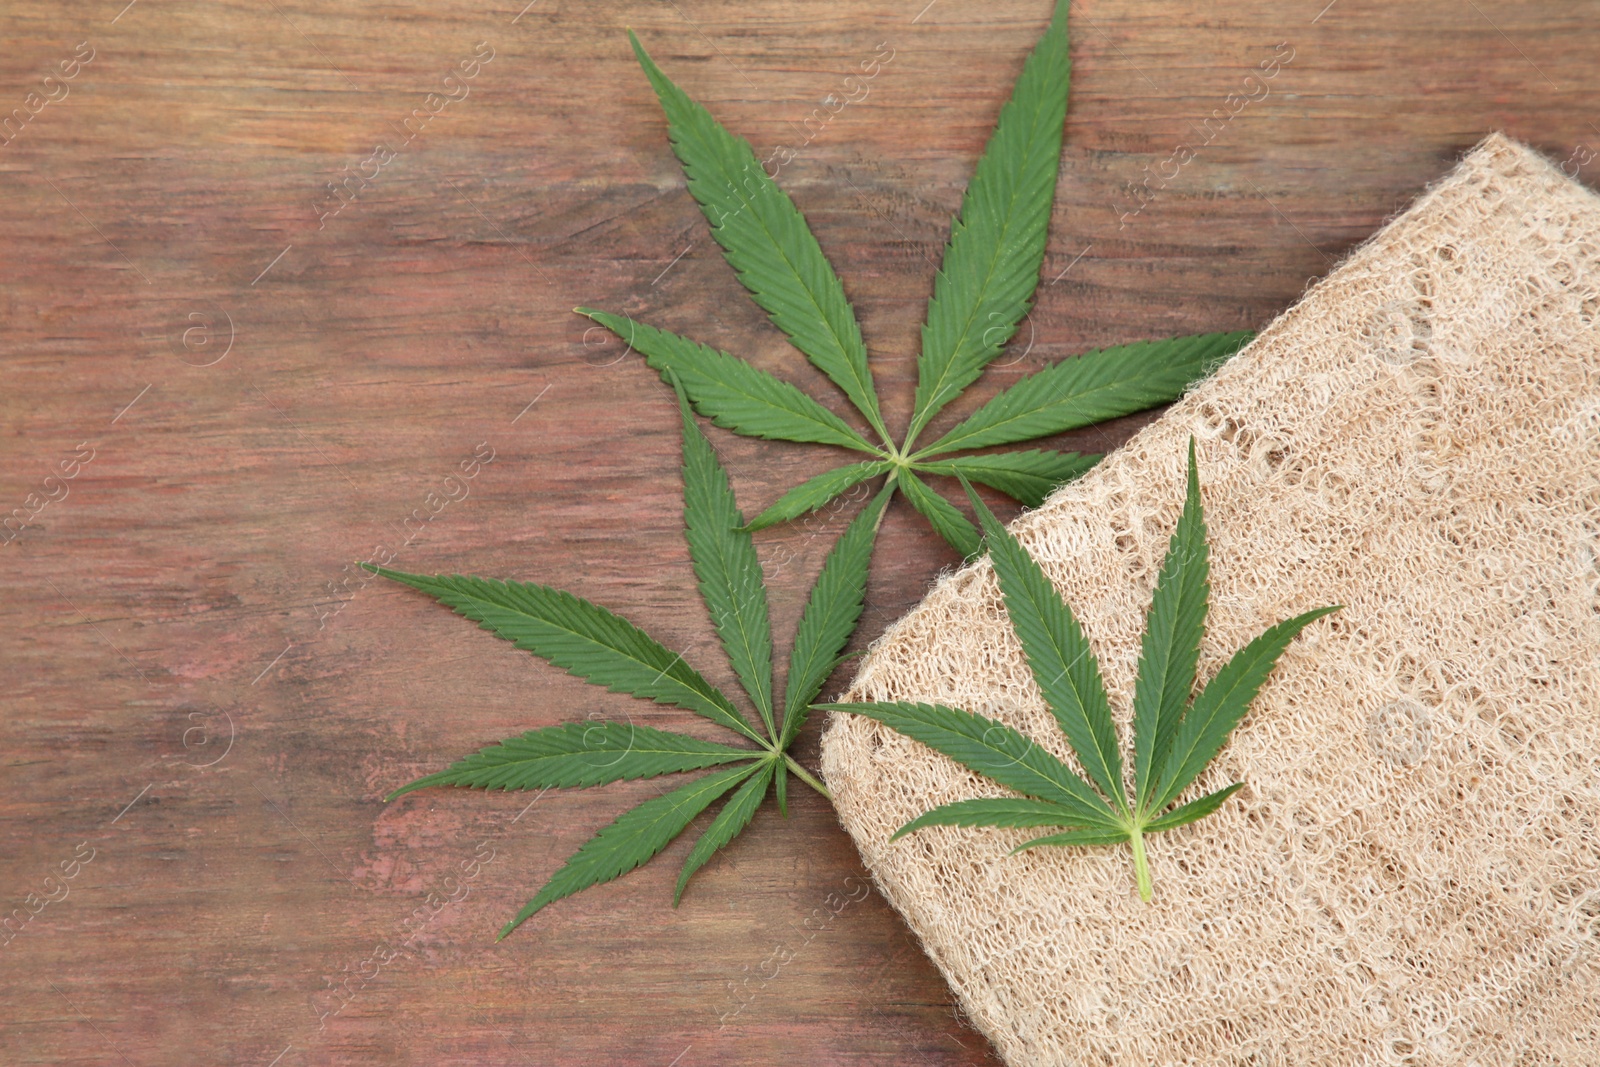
[1412, 871]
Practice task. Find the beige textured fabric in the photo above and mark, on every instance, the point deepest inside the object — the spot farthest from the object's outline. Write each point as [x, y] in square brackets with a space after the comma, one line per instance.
[1412, 873]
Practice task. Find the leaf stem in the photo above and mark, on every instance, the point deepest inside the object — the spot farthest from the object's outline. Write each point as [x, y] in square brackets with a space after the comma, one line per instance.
[894, 476]
[805, 776]
[1141, 866]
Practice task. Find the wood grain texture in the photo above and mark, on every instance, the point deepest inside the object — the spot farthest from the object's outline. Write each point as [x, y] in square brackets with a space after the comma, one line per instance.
[204, 697]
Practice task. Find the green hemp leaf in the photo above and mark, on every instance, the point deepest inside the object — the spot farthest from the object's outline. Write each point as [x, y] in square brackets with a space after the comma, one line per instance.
[980, 295]
[606, 650]
[1174, 737]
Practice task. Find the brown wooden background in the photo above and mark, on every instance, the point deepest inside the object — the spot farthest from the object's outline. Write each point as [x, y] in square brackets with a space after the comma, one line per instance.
[201, 695]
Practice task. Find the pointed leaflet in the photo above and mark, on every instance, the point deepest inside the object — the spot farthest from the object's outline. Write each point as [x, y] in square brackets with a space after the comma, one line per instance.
[993, 811]
[1171, 647]
[579, 754]
[631, 840]
[811, 494]
[730, 821]
[582, 638]
[732, 393]
[1091, 388]
[830, 616]
[1028, 476]
[1221, 704]
[1058, 654]
[766, 241]
[725, 562]
[990, 748]
[1193, 811]
[1076, 837]
[991, 263]
[945, 517]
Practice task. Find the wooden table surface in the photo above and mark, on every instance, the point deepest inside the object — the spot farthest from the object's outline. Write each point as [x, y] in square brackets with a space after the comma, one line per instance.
[204, 703]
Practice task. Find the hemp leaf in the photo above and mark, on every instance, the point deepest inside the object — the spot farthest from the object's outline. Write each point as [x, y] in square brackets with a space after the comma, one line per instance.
[1174, 737]
[604, 649]
[980, 295]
